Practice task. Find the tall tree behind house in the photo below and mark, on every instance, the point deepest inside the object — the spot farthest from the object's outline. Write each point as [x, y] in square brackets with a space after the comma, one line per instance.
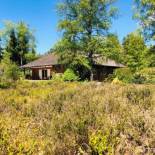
[83, 22]
[135, 52]
[1, 50]
[23, 42]
[12, 45]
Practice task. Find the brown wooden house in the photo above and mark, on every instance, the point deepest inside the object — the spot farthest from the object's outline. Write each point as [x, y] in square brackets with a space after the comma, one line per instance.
[43, 68]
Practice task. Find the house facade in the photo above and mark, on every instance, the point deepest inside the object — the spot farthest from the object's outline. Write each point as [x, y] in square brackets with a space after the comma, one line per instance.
[44, 67]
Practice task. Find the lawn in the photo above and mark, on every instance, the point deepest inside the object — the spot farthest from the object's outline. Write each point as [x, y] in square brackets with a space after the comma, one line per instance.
[59, 118]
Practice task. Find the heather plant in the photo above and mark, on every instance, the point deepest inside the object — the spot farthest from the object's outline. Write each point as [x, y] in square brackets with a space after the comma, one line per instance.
[53, 117]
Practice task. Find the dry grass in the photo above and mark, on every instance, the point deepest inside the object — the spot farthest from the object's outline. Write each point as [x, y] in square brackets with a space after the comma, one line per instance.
[77, 118]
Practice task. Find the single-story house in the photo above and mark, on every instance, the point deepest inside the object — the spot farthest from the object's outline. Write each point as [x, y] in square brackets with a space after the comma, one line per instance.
[42, 68]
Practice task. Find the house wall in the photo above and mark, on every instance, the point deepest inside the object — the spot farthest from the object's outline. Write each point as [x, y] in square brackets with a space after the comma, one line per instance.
[102, 72]
[38, 75]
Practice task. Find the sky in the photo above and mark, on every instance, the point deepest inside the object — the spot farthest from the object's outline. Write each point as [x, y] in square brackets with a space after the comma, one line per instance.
[42, 17]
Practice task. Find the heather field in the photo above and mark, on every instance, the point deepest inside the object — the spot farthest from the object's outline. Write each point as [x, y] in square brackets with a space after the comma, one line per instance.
[58, 118]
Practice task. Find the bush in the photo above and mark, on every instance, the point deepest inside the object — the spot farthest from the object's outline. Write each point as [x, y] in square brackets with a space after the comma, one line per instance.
[138, 78]
[4, 85]
[103, 143]
[9, 70]
[143, 76]
[57, 77]
[147, 75]
[70, 75]
[124, 74]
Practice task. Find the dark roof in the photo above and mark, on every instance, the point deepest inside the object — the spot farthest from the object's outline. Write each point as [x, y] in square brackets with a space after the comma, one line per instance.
[103, 61]
[52, 59]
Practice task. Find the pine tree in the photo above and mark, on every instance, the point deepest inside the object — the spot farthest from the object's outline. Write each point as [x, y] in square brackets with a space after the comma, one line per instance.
[19, 42]
[12, 47]
[1, 50]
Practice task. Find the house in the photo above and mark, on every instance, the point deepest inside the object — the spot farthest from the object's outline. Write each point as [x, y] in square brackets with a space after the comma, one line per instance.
[43, 68]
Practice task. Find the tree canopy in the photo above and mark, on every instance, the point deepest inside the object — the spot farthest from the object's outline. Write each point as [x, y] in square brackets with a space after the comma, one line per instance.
[135, 51]
[145, 12]
[19, 41]
[83, 22]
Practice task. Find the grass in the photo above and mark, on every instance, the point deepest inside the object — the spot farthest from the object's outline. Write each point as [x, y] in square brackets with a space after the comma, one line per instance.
[77, 118]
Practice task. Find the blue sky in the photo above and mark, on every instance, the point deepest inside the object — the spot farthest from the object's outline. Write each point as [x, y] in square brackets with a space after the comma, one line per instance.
[41, 16]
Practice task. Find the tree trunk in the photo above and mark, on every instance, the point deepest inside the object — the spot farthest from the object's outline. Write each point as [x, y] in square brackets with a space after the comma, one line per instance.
[91, 75]
[21, 61]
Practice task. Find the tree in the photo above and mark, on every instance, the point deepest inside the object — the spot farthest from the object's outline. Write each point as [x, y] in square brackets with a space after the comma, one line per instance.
[145, 12]
[19, 41]
[111, 48]
[83, 22]
[135, 51]
[12, 45]
[26, 46]
[1, 51]
[151, 56]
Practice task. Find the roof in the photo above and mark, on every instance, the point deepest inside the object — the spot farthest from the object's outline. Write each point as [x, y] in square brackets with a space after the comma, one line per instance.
[52, 59]
[47, 60]
[103, 61]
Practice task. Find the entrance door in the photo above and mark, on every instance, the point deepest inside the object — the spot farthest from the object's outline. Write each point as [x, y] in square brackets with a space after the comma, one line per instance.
[44, 74]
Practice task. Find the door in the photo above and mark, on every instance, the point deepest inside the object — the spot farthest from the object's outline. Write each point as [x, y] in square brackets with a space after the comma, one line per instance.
[44, 74]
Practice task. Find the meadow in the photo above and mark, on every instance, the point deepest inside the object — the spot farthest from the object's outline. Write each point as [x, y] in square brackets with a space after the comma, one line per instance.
[62, 118]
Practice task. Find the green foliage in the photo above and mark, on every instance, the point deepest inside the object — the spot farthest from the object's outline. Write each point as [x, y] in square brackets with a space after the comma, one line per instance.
[111, 48]
[4, 85]
[9, 70]
[144, 76]
[18, 40]
[11, 46]
[1, 50]
[103, 143]
[144, 11]
[31, 56]
[134, 52]
[57, 77]
[147, 75]
[26, 43]
[69, 75]
[151, 56]
[82, 23]
[124, 74]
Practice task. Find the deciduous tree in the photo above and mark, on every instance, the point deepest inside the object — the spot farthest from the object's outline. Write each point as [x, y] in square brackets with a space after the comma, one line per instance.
[135, 51]
[82, 22]
[145, 12]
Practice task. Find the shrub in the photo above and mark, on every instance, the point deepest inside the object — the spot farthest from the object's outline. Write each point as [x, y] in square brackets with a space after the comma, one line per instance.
[55, 118]
[147, 75]
[57, 77]
[124, 74]
[103, 142]
[140, 97]
[9, 70]
[143, 76]
[70, 75]
[4, 85]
